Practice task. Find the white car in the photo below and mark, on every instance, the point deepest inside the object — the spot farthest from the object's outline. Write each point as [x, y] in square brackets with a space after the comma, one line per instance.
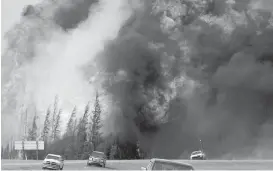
[198, 155]
[53, 161]
[163, 164]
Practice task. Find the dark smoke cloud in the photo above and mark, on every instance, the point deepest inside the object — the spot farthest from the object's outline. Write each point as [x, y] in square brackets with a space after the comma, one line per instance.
[223, 52]
[70, 16]
[143, 94]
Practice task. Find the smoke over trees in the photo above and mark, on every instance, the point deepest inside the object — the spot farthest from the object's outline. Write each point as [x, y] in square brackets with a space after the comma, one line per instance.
[200, 67]
[174, 72]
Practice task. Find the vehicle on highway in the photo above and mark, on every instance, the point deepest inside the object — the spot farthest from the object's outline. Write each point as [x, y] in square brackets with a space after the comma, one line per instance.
[98, 158]
[53, 161]
[198, 155]
[163, 164]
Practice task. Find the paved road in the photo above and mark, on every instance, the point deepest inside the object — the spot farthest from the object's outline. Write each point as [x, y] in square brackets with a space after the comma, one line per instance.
[137, 164]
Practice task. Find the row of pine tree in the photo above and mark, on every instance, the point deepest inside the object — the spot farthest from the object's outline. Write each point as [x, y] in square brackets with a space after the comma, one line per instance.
[80, 138]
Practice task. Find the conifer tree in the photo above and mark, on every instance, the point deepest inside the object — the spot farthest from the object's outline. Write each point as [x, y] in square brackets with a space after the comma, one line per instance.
[82, 131]
[96, 122]
[56, 130]
[70, 125]
[32, 133]
[46, 127]
[54, 114]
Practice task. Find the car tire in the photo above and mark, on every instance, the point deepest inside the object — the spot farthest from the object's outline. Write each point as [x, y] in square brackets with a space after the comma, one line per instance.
[61, 168]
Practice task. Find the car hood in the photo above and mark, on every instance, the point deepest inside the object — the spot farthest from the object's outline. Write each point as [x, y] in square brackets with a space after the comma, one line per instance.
[197, 155]
[96, 158]
[52, 160]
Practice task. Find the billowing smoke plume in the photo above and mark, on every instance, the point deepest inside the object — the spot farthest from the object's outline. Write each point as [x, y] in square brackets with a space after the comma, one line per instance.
[176, 72]
[202, 73]
[45, 57]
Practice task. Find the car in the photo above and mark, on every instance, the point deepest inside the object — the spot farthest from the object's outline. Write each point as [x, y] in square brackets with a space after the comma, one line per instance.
[53, 161]
[97, 157]
[163, 164]
[198, 155]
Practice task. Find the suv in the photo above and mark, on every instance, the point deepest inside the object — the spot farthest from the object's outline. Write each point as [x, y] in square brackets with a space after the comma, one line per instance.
[198, 155]
[53, 161]
[97, 157]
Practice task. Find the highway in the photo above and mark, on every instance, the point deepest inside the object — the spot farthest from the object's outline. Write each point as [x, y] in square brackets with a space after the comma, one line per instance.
[137, 164]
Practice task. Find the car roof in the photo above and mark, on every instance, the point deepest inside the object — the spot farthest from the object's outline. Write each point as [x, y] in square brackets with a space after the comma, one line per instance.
[98, 152]
[170, 161]
[196, 152]
[54, 155]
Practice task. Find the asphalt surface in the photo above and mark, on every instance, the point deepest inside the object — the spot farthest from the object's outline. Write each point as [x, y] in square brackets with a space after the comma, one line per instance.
[137, 164]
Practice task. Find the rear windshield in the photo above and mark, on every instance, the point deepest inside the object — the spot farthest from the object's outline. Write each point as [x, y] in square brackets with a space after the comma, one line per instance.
[97, 154]
[196, 152]
[52, 157]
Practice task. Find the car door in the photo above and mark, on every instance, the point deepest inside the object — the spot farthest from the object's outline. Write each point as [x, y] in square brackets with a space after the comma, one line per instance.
[104, 158]
[62, 161]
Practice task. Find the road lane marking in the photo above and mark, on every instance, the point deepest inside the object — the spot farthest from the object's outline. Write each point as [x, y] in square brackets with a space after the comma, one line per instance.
[18, 164]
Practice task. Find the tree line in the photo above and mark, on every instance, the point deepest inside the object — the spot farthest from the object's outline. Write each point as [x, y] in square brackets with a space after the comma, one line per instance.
[81, 137]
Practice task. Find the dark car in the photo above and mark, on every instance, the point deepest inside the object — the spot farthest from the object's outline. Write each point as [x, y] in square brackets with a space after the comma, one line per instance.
[53, 162]
[98, 158]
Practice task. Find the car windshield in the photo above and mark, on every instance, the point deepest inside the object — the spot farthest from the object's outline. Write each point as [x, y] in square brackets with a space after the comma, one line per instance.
[97, 154]
[52, 157]
[196, 152]
[170, 166]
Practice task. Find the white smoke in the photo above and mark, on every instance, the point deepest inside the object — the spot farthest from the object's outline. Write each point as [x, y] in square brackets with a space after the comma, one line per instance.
[57, 66]
[11, 10]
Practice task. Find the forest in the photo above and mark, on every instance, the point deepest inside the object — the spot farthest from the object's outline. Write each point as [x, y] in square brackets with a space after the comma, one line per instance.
[80, 138]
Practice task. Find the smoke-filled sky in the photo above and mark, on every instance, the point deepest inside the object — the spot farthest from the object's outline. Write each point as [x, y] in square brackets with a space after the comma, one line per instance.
[42, 60]
[11, 11]
[169, 77]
